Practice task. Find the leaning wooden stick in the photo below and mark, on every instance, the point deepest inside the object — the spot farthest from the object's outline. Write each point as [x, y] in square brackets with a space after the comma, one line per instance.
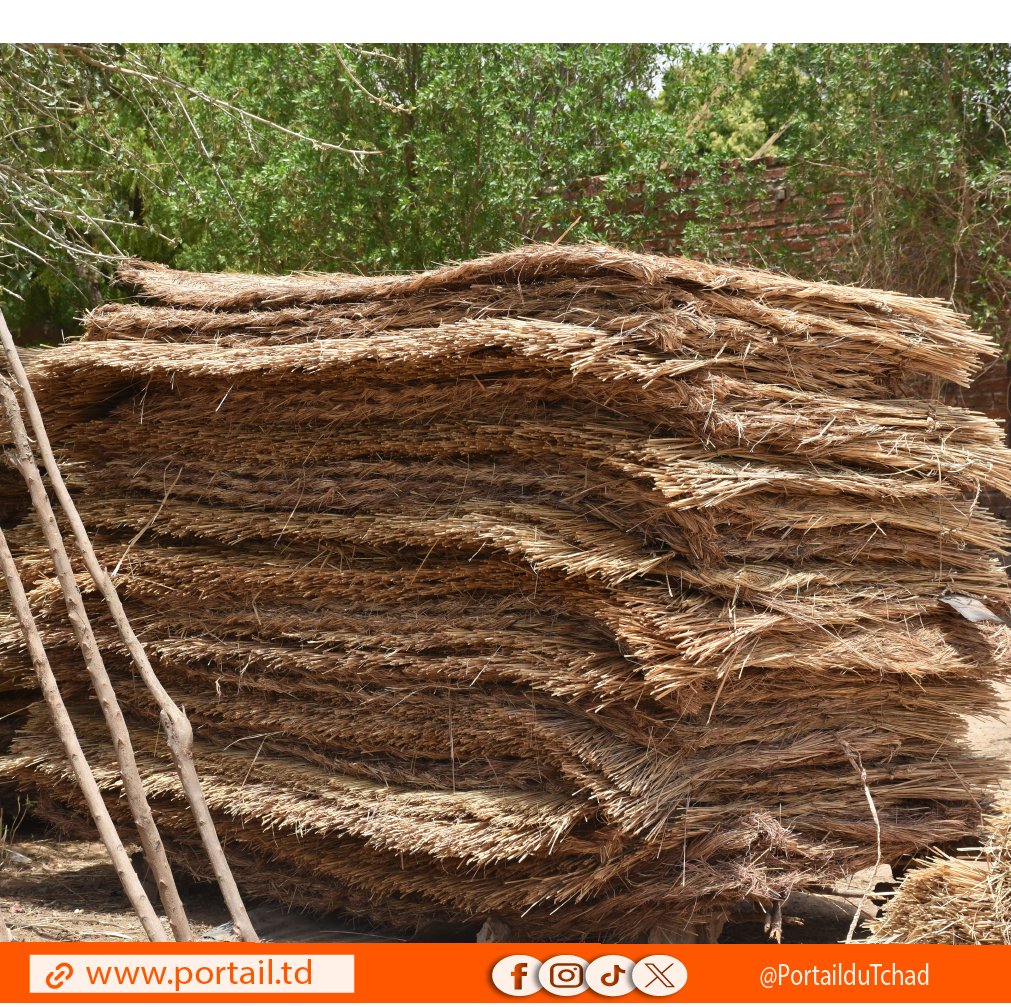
[133, 785]
[178, 731]
[72, 746]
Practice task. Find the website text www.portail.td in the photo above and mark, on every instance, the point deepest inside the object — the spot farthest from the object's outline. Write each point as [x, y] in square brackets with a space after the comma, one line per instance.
[189, 973]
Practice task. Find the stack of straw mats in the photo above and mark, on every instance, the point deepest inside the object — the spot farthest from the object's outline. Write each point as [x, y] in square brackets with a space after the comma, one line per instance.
[555, 585]
[955, 900]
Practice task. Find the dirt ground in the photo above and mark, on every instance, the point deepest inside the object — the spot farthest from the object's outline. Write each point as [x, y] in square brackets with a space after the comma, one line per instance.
[68, 891]
[993, 737]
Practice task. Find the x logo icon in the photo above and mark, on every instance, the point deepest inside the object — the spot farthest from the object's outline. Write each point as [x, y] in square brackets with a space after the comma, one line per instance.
[659, 974]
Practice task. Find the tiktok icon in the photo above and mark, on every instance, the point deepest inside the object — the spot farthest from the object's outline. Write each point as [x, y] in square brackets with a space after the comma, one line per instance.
[611, 975]
[516, 975]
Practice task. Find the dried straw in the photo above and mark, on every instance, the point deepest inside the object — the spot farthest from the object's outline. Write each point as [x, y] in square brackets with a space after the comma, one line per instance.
[964, 899]
[557, 585]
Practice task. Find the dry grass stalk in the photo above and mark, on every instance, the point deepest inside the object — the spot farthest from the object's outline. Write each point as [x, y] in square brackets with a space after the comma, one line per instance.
[858, 767]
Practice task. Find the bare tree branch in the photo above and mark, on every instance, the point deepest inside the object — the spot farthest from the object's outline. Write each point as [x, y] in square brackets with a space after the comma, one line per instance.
[155, 78]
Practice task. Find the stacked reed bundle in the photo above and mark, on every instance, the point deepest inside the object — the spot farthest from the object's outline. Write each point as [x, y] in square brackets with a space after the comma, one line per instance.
[556, 585]
[955, 900]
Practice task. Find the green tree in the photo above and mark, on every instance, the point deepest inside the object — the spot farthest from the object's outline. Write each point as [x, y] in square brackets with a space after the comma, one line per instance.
[919, 136]
[389, 156]
[479, 145]
[90, 132]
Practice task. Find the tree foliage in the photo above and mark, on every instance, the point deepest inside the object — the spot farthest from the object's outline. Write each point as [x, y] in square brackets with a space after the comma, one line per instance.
[478, 145]
[918, 137]
[401, 156]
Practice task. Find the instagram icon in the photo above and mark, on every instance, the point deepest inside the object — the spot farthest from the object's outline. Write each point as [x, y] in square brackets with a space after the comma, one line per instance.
[564, 975]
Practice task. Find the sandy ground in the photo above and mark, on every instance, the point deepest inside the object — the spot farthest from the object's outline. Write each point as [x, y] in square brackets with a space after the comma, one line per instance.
[68, 891]
[991, 737]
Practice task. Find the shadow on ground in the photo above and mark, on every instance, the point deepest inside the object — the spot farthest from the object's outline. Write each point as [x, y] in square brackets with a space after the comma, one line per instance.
[826, 921]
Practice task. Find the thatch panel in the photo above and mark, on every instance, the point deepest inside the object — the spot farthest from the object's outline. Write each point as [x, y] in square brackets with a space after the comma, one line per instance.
[556, 585]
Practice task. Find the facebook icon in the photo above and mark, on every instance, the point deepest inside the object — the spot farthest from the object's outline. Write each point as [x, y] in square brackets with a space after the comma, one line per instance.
[516, 975]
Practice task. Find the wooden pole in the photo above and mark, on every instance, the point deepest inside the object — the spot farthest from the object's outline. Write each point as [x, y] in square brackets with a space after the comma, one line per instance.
[72, 746]
[178, 731]
[133, 785]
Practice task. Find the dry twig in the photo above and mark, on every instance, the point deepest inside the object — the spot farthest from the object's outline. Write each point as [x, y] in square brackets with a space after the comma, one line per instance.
[72, 746]
[132, 783]
[857, 763]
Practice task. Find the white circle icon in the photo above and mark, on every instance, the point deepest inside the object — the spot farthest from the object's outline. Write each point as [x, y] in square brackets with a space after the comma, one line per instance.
[611, 975]
[659, 975]
[516, 976]
[564, 975]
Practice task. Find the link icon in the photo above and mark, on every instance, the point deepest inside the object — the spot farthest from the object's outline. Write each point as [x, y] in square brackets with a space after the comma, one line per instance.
[516, 976]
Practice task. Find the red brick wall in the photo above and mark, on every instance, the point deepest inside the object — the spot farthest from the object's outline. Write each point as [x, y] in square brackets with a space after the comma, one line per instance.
[811, 226]
[990, 393]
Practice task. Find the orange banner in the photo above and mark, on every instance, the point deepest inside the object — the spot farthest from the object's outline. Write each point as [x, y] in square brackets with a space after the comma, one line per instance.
[501, 973]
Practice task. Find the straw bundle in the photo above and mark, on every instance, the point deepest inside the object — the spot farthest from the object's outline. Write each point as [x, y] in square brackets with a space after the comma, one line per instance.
[955, 900]
[553, 585]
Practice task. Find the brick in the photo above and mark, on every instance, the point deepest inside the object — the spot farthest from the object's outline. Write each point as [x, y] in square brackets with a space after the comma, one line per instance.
[764, 221]
[812, 224]
[976, 391]
[994, 369]
[994, 384]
